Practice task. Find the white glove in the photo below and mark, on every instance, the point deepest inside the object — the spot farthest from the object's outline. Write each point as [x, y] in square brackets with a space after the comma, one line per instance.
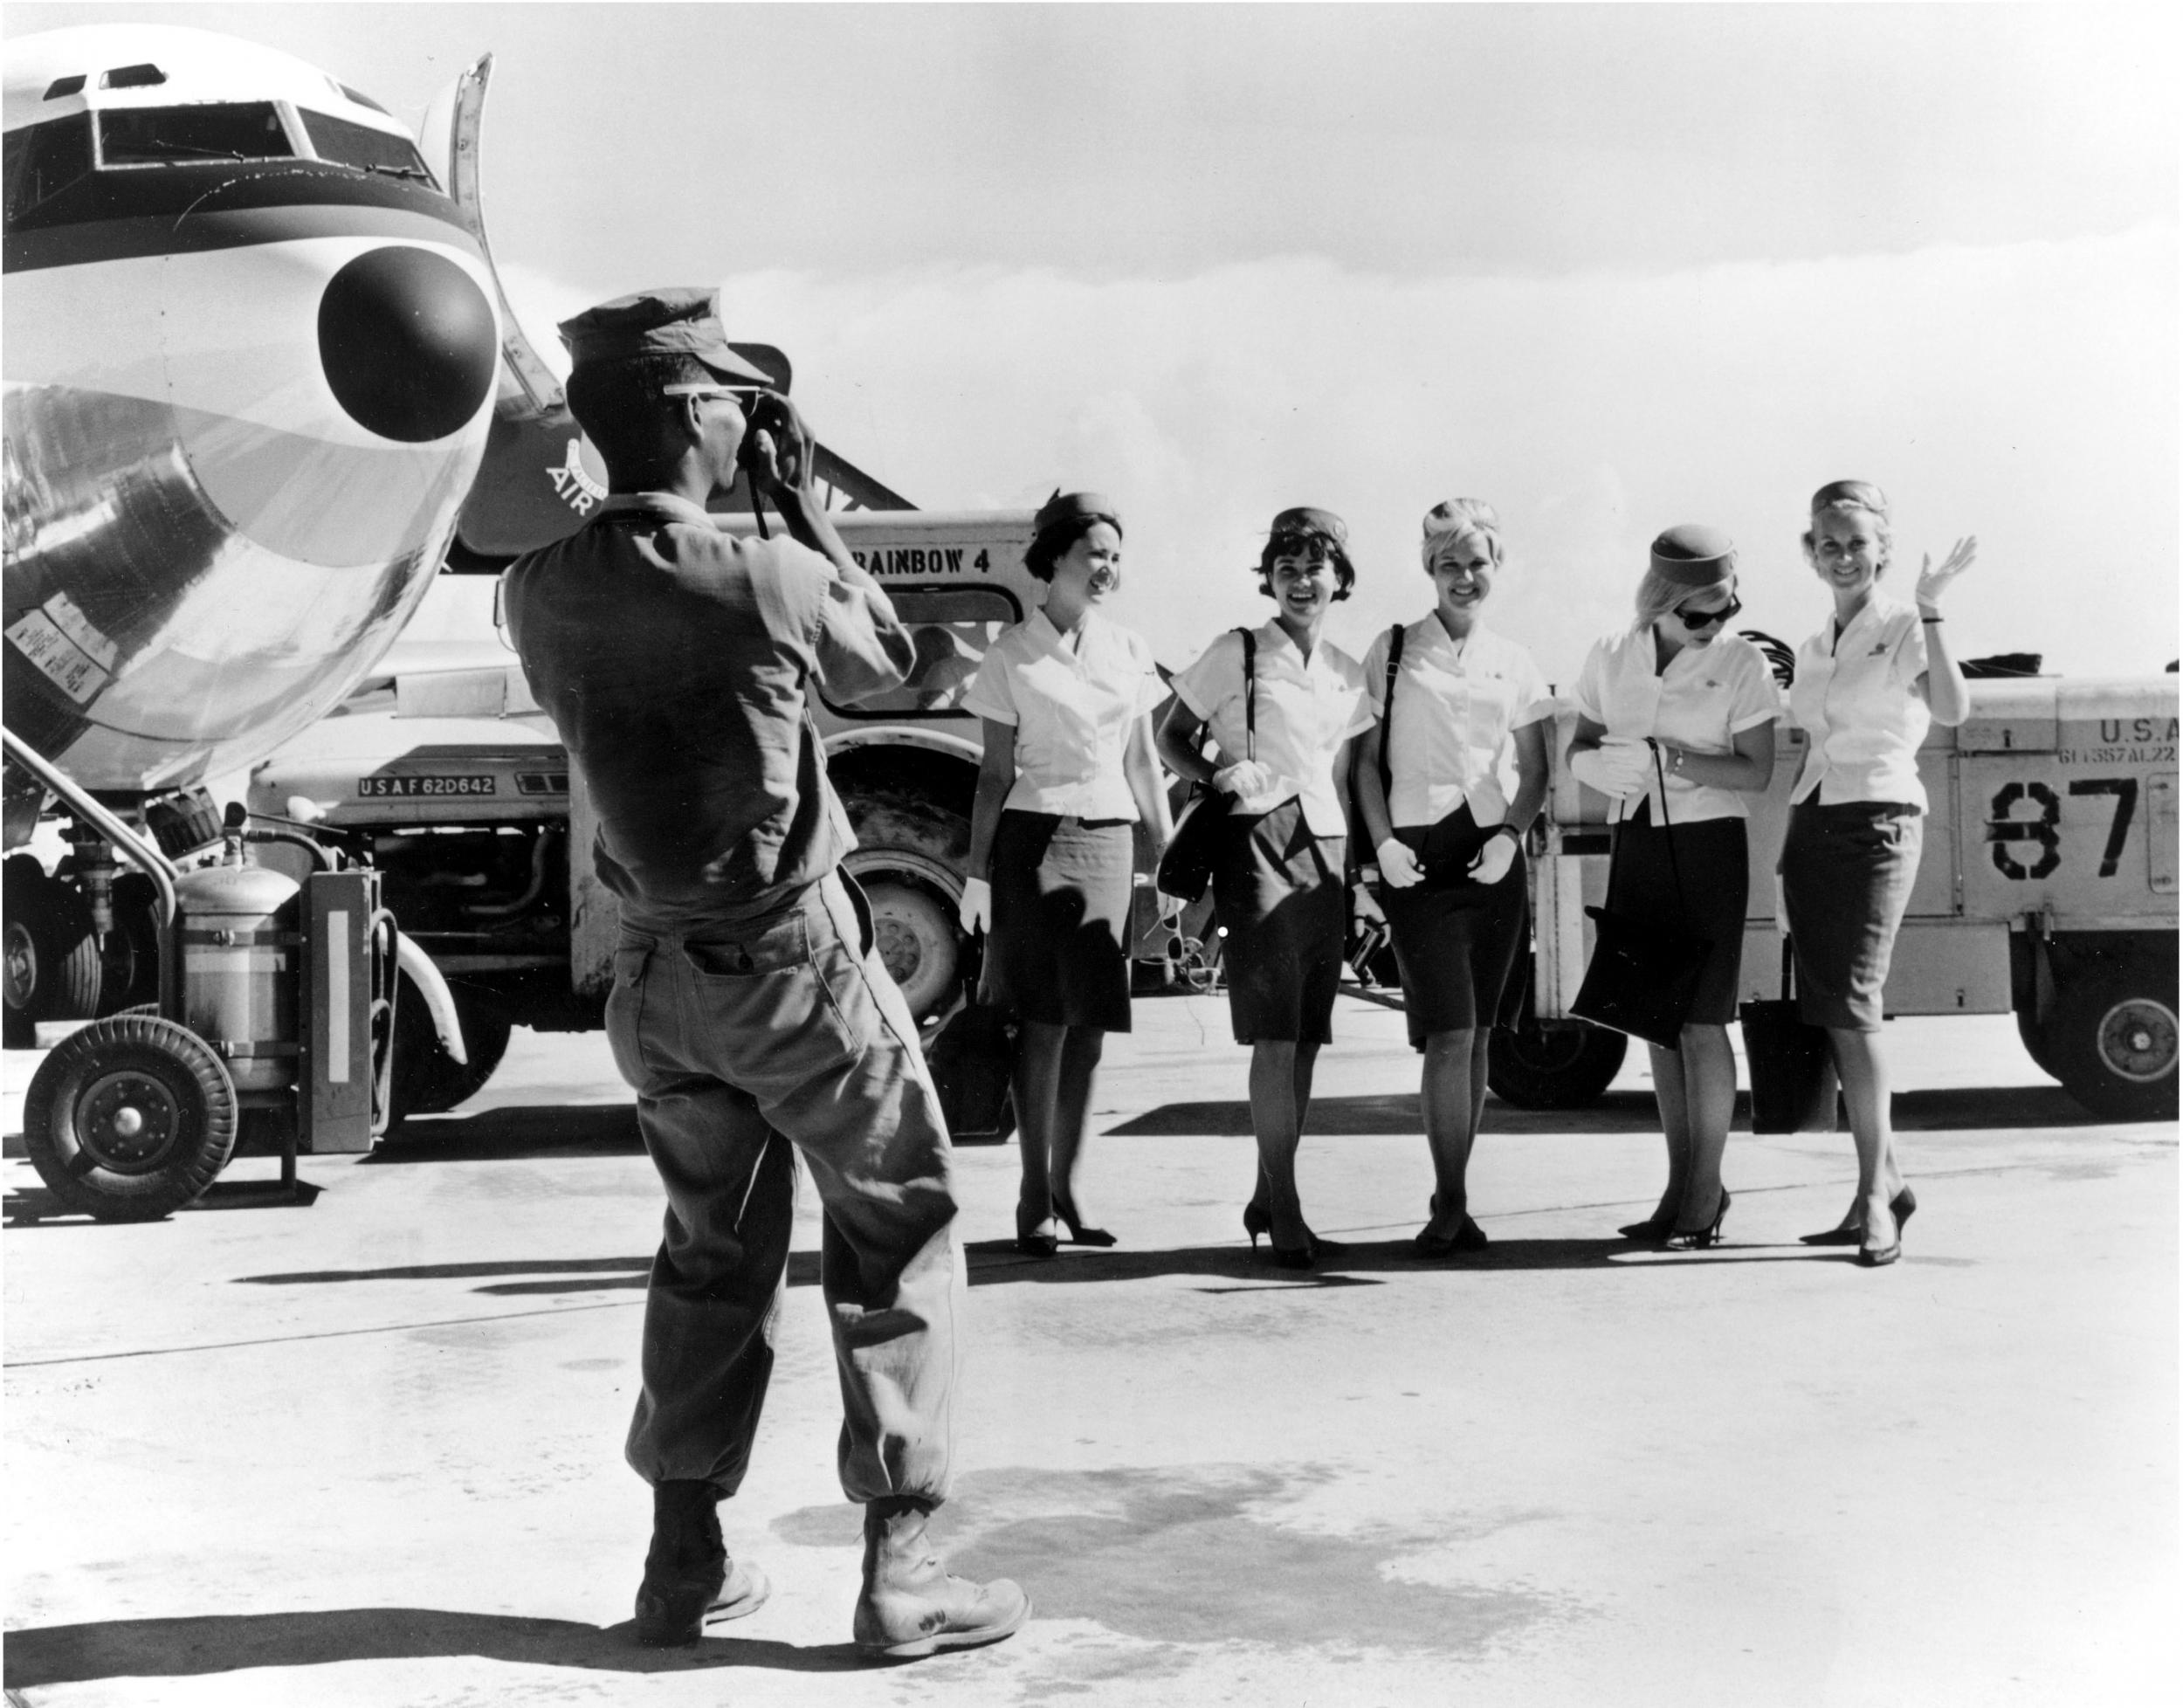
[1620, 766]
[1932, 583]
[1245, 777]
[976, 912]
[1494, 859]
[1398, 867]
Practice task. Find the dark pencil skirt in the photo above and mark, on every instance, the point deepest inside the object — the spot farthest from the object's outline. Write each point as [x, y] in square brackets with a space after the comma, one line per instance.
[1057, 953]
[1713, 856]
[1455, 942]
[1846, 875]
[1278, 893]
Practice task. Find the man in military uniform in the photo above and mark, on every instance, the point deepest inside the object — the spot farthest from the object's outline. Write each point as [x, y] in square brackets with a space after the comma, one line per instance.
[749, 1008]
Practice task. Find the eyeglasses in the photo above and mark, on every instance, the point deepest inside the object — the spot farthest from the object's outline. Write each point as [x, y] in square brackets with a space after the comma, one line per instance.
[742, 395]
[1691, 619]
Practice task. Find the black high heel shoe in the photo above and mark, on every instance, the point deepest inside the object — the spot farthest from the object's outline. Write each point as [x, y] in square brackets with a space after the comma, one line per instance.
[1078, 1234]
[1902, 1206]
[1699, 1238]
[1257, 1220]
[1650, 1231]
[1468, 1237]
[1037, 1238]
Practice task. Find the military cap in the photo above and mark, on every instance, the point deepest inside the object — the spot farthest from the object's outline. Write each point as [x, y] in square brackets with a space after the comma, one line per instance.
[1691, 554]
[1306, 518]
[1065, 507]
[681, 320]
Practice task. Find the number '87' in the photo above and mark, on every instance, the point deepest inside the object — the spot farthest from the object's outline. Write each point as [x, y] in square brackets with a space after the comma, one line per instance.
[2009, 830]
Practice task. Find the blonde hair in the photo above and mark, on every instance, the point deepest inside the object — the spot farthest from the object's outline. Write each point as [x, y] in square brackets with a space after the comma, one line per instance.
[1658, 595]
[1454, 520]
[1854, 495]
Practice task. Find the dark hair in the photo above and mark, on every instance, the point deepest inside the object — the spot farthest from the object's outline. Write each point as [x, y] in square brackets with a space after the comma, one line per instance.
[1047, 548]
[1281, 544]
[620, 407]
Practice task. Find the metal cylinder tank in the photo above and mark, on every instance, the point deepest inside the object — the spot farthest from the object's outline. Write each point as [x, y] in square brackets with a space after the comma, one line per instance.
[241, 965]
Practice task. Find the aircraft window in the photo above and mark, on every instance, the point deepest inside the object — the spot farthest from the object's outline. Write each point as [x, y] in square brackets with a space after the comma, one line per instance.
[359, 145]
[42, 159]
[65, 86]
[362, 99]
[214, 130]
[131, 77]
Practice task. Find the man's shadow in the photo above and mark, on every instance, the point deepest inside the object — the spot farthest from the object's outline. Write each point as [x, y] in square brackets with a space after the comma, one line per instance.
[39, 1656]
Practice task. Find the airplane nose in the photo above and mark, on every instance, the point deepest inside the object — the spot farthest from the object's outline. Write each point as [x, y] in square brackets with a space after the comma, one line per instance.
[408, 343]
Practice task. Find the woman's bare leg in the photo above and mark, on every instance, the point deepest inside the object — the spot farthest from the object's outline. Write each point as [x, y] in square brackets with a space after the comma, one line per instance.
[1451, 1095]
[1868, 1091]
[1279, 1071]
[1081, 1048]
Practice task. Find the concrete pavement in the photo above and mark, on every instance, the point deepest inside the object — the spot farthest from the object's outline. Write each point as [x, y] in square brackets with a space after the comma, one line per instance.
[366, 1450]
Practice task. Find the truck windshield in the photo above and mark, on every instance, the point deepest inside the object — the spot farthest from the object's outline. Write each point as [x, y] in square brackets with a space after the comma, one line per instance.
[952, 626]
[208, 130]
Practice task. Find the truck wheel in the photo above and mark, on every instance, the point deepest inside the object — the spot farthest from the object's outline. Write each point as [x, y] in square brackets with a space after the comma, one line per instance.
[2112, 1040]
[1562, 1067]
[52, 962]
[917, 940]
[2035, 1043]
[129, 1119]
[428, 1081]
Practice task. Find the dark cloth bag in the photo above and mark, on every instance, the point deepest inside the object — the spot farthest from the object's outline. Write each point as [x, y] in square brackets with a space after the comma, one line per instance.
[971, 1059]
[1792, 1088]
[1644, 976]
[1186, 866]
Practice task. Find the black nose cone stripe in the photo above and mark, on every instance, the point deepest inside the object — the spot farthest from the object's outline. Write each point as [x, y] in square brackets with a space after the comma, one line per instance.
[408, 343]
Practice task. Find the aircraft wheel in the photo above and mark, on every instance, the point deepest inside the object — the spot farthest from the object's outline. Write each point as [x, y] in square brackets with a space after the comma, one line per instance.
[1564, 1066]
[2112, 1038]
[129, 1119]
[129, 977]
[48, 953]
[428, 1081]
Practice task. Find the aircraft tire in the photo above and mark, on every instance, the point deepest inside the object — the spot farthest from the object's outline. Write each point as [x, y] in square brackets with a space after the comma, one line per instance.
[1559, 1067]
[2113, 1038]
[52, 966]
[428, 1081]
[129, 1119]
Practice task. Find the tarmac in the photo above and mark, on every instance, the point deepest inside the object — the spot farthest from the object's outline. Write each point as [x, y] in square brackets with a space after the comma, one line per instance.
[365, 1449]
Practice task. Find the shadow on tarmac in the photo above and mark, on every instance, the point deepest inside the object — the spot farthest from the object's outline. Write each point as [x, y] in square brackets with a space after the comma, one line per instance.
[31, 1205]
[37, 1656]
[2001, 1106]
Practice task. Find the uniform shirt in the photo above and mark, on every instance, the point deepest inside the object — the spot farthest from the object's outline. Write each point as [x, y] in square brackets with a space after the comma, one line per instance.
[1306, 712]
[1073, 706]
[1457, 706]
[676, 662]
[1707, 697]
[1858, 696]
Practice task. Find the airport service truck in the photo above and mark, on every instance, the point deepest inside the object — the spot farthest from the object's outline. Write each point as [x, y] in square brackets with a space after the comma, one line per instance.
[2048, 888]
[445, 770]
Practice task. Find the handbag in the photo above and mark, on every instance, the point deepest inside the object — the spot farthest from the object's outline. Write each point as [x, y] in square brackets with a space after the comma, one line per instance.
[1186, 867]
[1644, 976]
[1792, 1085]
[1445, 867]
[971, 1059]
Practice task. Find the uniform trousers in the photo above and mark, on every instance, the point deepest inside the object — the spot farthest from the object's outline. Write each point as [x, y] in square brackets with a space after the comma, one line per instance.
[743, 1041]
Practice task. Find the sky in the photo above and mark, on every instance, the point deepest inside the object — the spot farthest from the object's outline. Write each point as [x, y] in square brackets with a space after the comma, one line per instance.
[1610, 267]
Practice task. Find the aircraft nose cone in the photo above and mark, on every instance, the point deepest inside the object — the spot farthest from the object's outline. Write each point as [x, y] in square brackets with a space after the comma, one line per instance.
[408, 343]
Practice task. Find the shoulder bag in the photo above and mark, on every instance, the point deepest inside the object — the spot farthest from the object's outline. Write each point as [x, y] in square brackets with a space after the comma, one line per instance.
[1644, 976]
[1792, 1085]
[1186, 866]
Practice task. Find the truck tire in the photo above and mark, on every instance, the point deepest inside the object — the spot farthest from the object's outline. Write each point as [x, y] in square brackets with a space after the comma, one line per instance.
[129, 1119]
[918, 942]
[2112, 1040]
[2035, 1043]
[909, 857]
[51, 961]
[1563, 1066]
[428, 1081]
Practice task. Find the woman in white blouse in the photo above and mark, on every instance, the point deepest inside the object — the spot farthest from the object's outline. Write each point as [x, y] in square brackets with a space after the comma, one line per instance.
[1675, 725]
[1450, 842]
[1868, 686]
[1066, 697]
[1280, 884]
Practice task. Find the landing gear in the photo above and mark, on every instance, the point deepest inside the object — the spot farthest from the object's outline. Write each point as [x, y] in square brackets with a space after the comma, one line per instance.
[129, 1119]
[51, 960]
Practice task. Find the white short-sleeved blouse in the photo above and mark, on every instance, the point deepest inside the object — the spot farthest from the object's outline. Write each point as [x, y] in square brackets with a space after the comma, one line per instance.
[1457, 706]
[1072, 706]
[1857, 694]
[1704, 699]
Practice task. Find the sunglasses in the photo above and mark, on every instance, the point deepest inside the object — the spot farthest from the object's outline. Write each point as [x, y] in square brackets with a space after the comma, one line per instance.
[1691, 619]
[742, 395]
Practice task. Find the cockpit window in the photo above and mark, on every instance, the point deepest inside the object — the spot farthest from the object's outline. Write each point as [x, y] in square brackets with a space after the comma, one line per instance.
[359, 145]
[45, 159]
[213, 130]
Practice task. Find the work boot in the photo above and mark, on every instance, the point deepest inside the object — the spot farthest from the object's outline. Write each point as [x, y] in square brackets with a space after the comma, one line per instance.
[689, 1580]
[910, 1606]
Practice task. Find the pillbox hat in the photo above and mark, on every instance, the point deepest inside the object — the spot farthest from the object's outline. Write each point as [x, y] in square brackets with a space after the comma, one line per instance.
[1691, 554]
